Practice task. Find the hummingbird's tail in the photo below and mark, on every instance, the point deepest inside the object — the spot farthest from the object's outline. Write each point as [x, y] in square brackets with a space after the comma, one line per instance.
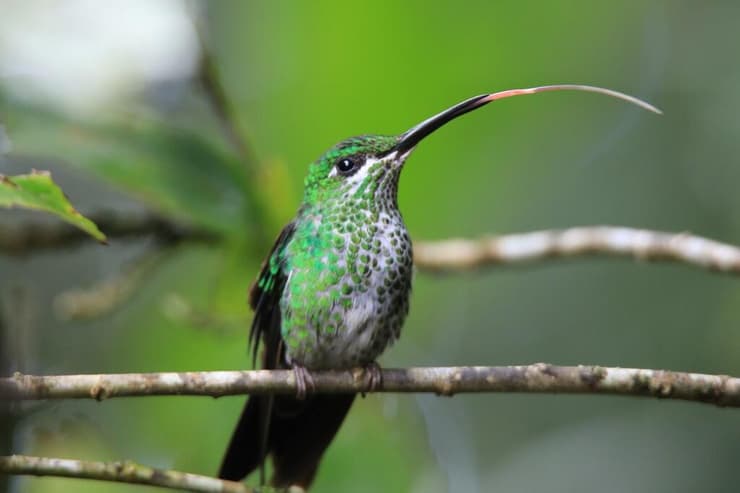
[244, 452]
[295, 433]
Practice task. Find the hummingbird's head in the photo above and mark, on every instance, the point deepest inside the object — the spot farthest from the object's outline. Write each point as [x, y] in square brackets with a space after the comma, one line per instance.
[368, 166]
[357, 167]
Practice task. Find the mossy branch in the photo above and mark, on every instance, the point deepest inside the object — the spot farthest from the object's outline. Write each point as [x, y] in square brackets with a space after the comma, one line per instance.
[122, 472]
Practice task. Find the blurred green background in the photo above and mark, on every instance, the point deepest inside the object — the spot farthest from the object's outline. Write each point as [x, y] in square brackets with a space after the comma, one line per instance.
[130, 128]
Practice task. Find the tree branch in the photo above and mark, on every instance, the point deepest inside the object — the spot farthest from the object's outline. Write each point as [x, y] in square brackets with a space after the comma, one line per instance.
[123, 472]
[537, 378]
[435, 256]
[22, 239]
[641, 244]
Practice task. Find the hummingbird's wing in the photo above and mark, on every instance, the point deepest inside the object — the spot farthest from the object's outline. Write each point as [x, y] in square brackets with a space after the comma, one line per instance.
[264, 298]
[295, 432]
[249, 442]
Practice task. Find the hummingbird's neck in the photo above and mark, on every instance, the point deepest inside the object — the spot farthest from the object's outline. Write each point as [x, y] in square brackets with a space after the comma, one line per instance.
[374, 189]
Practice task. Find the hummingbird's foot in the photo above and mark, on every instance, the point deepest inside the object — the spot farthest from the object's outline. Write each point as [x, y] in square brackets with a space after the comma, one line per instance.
[303, 381]
[374, 377]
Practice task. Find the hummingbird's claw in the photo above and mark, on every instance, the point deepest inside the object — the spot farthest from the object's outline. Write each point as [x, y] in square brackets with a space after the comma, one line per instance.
[374, 377]
[303, 381]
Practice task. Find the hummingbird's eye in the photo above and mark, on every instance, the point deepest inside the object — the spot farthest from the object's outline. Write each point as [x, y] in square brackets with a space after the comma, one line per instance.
[346, 166]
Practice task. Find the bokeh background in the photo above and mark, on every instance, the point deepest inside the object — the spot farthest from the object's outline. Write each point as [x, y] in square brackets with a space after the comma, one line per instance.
[110, 97]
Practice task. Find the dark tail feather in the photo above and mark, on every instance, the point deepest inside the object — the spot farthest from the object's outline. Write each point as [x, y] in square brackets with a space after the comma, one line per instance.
[244, 454]
[300, 432]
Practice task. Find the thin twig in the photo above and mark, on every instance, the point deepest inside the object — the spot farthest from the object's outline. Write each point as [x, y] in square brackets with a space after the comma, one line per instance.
[209, 78]
[123, 472]
[537, 378]
[211, 83]
[641, 244]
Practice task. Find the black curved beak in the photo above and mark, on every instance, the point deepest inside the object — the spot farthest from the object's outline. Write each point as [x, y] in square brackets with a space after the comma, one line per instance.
[414, 135]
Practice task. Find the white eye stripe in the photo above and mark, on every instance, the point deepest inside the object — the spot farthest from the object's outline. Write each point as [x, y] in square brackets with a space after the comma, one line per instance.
[356, 179]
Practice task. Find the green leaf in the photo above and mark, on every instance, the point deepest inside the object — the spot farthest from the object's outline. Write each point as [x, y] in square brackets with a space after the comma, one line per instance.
[38, 191]
[175, 171]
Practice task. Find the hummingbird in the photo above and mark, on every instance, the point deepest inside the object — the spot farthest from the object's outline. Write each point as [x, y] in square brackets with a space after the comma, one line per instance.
[334, 292]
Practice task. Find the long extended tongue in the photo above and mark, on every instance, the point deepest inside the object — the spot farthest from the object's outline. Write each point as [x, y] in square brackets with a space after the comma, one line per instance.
[414, 135]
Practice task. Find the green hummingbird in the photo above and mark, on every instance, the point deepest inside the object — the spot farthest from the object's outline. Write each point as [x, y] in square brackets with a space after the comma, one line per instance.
[333, 293]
